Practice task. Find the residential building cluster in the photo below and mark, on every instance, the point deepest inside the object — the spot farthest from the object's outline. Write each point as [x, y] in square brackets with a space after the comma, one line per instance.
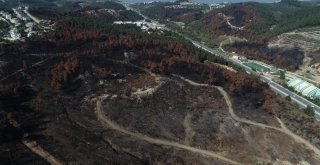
[144, 25]
[14, 23]
[22, 24]
[216, 6]
[183, 5]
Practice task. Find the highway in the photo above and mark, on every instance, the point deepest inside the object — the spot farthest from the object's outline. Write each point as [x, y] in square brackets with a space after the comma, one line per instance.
[277, 88]
[302, 102]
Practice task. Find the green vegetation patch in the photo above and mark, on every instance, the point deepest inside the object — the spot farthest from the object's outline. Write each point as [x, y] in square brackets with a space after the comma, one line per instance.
[256, 66]
[3, 24]
[309, 111]
[302, 18]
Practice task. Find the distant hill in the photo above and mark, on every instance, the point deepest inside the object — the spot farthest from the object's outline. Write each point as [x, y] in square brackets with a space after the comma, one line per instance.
[238, 20]
[255, 23]
[260, 20]
[108, 11]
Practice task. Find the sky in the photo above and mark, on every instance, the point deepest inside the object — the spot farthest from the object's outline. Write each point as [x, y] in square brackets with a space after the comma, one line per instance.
[202, 1]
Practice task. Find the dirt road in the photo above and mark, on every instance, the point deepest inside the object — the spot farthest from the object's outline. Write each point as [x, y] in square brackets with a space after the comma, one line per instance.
[34, 147]
[283, 128]
[102, 117]
[298, 138]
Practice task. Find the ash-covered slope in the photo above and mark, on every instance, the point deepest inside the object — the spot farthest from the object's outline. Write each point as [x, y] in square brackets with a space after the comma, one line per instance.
[113, 94]
[117, 111]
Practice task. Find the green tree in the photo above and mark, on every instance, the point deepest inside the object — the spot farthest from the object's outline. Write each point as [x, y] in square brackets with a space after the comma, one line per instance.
[3, 24]
[288, 98]
[282, 74]
[309, 111]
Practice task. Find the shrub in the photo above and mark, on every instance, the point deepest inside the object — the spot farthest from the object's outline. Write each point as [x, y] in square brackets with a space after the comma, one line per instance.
[309, 111]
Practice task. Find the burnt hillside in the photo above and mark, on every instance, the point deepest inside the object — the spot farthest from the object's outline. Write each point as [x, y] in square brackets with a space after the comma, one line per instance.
[95, 93]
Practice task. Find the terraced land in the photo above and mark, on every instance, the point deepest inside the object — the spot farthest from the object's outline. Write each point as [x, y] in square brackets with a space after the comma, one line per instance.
[306, 38]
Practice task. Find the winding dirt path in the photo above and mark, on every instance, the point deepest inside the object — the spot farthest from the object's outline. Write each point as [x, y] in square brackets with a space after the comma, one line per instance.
[283, 128]
[235, 117]
[298, 138]
[190, 81]
[189, 132]
[102, 117]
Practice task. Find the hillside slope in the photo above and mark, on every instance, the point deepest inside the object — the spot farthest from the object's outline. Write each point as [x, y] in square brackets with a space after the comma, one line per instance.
[247, 27]
[91, 92]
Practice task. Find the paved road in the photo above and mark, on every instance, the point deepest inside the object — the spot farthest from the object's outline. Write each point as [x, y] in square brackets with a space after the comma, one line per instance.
[302, 102]
[36, 20]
